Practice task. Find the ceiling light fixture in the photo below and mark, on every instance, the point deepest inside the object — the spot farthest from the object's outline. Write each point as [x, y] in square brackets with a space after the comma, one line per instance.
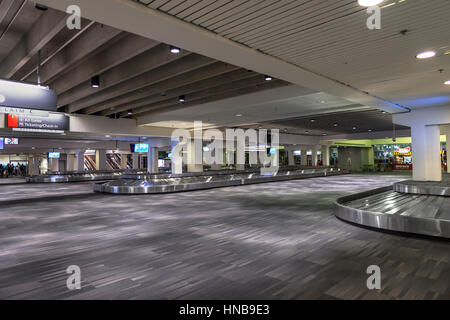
[40, 7]
[174, 49]
[182, 98]
[370, 130]
[95, 81]
[268, 78]
[426, 54]
[354, 128]
[130, 113]
[447, 82]
[369, 3]
[239, 115]
[313, 120]
[335, 124]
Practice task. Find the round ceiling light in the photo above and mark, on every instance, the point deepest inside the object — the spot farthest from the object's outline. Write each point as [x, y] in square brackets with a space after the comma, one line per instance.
[426, 55]
[447, 82]
[369, 3]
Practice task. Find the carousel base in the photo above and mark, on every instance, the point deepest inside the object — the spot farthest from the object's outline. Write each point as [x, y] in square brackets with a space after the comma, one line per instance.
[441, 188]
[415, 208]
[152, 184]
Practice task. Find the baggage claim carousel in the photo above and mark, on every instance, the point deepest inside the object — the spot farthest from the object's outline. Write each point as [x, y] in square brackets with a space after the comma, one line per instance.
[165, 183]
[409, 206]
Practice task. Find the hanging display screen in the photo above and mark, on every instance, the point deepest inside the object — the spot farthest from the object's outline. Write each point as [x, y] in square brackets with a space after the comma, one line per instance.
[54, 155]
[141, 147]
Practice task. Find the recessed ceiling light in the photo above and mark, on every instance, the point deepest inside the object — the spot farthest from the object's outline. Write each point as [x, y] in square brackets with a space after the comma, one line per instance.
[108, 136]
[95, 81]
[324, 134]
[313, 120]
[40, 7]
[239, 115]
[369, 3]
[354, 128]
[383, 112]
[306, 131]
[335, 124]
[370, 130]
[447, 82]
[174, 49]
[268, 78]
[130, 113]
[426, 54]
[182, 98]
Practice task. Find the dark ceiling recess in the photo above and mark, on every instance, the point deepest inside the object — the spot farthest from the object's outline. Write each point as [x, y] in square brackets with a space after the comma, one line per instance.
[336, 123]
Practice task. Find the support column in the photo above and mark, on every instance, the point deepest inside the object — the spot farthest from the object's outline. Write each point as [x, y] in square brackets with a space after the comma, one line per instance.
[53, 164]
[291, 157]
[80, 161]
[304, 157]
[70, 162]
[135, 160]
[124, 161]
[426, 153]
[177, 160]
[326, 155]
[33, 165]
[152, 160]
[100, 160]
[314, 156]
[216, 166]
[195, 157]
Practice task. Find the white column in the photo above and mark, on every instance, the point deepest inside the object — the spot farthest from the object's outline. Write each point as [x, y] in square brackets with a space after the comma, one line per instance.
[304, 157]
[124, 161]
[176, 160]
[326, 155]
[314, 156]
[54, 164]
[80, 161]
[135, 160]
[33, 165]
[291, 158]
[195, 157]
[426, 153]
[152, 160]
[70, 162]
[100, 159]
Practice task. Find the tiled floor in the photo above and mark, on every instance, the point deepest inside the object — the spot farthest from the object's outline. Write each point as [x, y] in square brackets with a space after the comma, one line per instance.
[266, 241]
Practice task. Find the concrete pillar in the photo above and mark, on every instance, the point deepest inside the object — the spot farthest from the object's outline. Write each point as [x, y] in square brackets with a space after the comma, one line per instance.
[304, 157]
[152, 160]
[44, 165]
[100, 160]
[33, 165]
[194, 157]
[53, 164]
[123, 161]
[314, 156]
[80, 161]
[426, 157]
[291, 157]
[135, 160]
[177, 160]
[71, 162]
[326, 155]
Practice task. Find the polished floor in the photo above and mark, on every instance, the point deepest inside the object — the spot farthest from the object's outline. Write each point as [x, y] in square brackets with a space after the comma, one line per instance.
[268, 241]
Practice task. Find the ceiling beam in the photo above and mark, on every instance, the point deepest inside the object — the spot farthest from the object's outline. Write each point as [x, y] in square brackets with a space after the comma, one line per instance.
[146, 117]
[162, 70]
[213, 91]
[196, 80]
[48, 25]
[96, 37]
[144, 62]
[120, 51]
[58, 43]
[5, 6]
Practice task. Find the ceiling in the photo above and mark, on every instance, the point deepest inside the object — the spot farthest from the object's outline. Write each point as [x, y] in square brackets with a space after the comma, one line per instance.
[137, 75]
[330, 39]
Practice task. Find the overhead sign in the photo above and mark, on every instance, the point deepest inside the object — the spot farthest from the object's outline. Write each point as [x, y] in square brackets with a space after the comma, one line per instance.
[24, 111]
[53, 122]
[54, 155]
[11, 141]
[2, 145]
[27, 96]
[141, 147]
[403, 150]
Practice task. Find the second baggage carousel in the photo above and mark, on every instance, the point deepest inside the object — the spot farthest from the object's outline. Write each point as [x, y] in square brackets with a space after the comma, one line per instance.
[152, 184]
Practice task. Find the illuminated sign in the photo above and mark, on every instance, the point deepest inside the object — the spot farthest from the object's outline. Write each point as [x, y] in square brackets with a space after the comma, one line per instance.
[2, 145]
[141, 147]
[297, 153]
[27, 96]
[30, 122]
[54, 155]
[403, 150]
[89, 153]
[11, 141]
